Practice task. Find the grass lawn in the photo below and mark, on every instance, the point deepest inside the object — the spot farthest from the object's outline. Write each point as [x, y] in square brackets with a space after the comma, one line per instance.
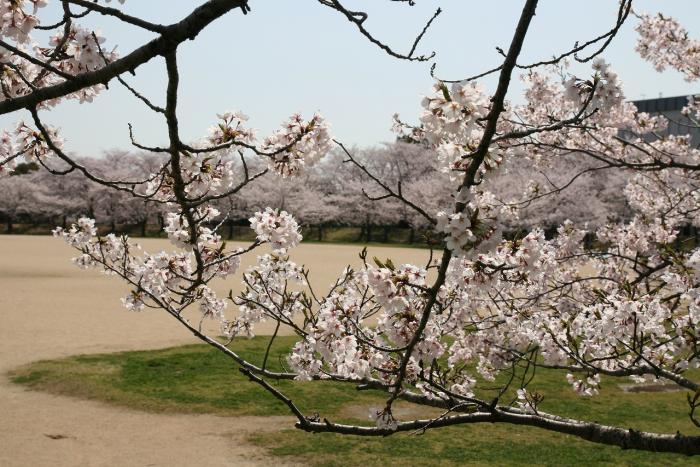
[198, 379]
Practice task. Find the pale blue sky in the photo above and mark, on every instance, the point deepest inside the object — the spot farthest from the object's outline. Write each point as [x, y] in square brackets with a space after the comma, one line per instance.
[295, 55]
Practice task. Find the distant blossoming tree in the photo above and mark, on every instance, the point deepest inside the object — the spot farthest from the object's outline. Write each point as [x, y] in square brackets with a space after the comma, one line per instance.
[485, 306]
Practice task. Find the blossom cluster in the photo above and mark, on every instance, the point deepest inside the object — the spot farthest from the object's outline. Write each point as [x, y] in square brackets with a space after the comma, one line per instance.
[450, 121]
[70, 52]
[665, 43]
[209, 170]
[177, 227]
[297, 144]
[231, 129]
[15, 22]
[267, 295]
[692, 110]
[277, 228]
[79, 234]
[605, 87]
[456, 227]
[587, 387]
[84, 50]
[27, 142]
[452, 114]
[166, 280]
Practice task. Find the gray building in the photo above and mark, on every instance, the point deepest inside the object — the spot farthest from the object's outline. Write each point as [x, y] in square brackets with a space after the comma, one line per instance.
[670, 107]
[678, 124]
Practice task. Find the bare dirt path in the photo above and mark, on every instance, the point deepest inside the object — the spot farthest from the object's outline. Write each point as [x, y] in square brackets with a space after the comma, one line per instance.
[50, 309]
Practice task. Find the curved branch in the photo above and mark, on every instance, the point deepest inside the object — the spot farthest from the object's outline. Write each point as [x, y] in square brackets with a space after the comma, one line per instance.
[591, 431]
[116, 13]
[358, 18]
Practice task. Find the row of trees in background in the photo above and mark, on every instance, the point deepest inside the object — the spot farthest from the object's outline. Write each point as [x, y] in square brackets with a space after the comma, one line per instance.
[334, 193]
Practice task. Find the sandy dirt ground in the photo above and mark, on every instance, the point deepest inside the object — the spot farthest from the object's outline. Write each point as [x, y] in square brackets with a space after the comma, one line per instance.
[50, 309]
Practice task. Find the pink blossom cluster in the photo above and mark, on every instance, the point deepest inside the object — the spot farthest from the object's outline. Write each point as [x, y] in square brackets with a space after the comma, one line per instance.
[297, 144]
[209, 169]
[15, 22]
[177, 227]
[452, 114]
[83, 49]
[28, 143]
[165, 280]
[267, 295]
[277, 228]
[231, 129]
[665, 43]
[456, 227]
[605, 88]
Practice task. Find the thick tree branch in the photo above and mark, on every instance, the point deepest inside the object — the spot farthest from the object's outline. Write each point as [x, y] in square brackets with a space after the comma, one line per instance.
[590, 431]
[170, 38]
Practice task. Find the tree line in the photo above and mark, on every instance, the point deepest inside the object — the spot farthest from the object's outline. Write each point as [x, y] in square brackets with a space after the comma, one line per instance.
[328, 195]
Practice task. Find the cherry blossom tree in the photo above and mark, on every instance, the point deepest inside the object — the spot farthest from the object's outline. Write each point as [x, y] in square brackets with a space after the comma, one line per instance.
[565, 183]
[117, 207]
[484, 308]
[315, 206]
[346, 183]
[23, 197]
[350, 191]
[407, 167]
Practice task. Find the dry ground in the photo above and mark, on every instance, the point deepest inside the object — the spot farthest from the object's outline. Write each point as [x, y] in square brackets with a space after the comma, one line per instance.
[51, 309]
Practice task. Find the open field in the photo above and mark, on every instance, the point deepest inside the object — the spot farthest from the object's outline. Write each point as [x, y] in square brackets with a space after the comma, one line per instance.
[51, 309]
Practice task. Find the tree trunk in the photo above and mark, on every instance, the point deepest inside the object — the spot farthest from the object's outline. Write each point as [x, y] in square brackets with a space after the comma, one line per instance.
[143, 225]
[385, 235]
[320, 233]
[113, 226]
[9, 227]
[230, 229]
[412, 236]
[361, 237]
[368, 231]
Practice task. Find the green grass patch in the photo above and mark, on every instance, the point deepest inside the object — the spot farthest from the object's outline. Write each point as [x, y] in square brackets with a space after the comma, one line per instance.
[199, 379]
[190, 379]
